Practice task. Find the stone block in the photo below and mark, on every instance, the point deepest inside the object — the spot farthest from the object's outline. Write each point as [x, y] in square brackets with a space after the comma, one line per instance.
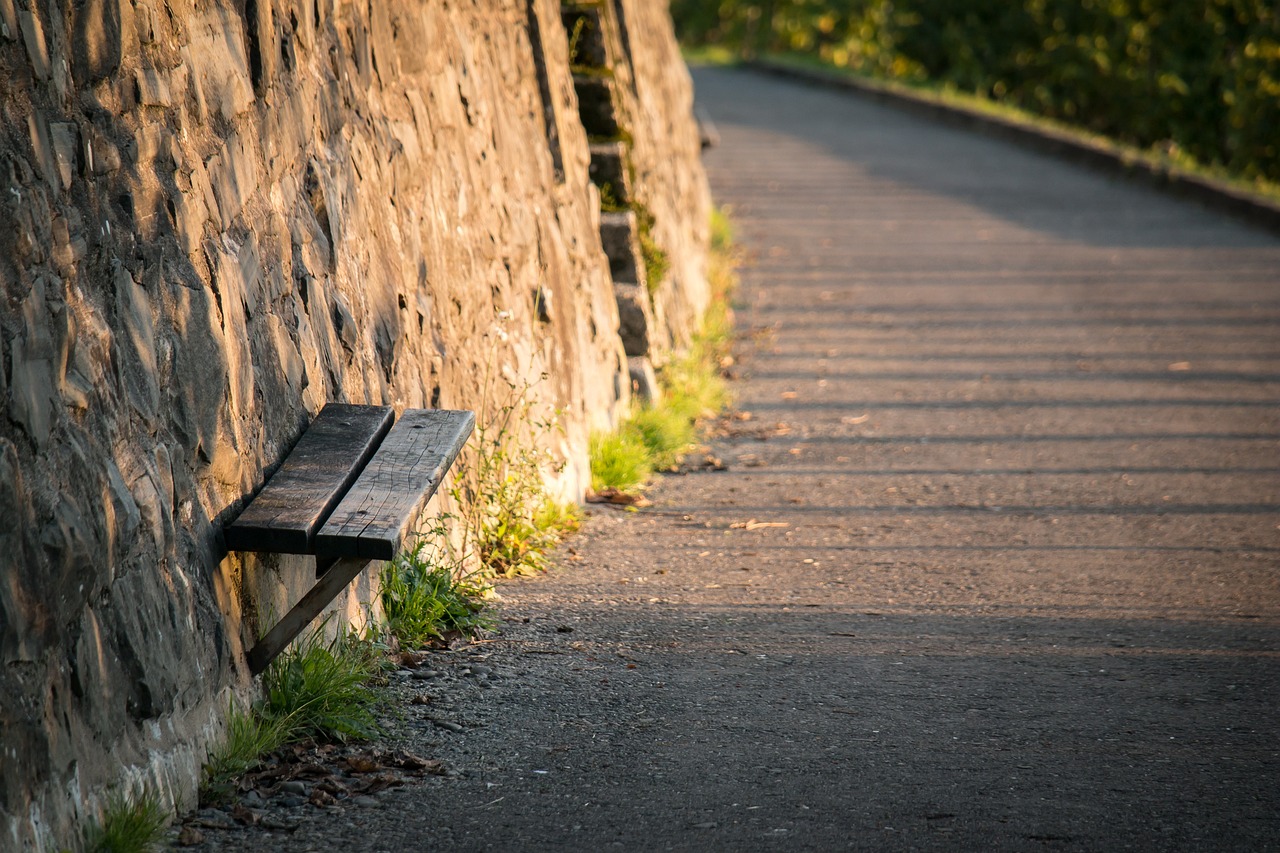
[635, 318]
[644, 381]
[31, 379]
[65, 137]
[618, 236]
[137, 336]
[90, 357]
[42, 147]
[152, 88]
[8, 19]
[233, 177]
[37, 47]
[609, 171]
[264, 46]
[69, 244]
[18, 609]
[196, 394]
[596, 106]
[189, 215]
[218, 63]
[101, 154]
[99, 33]
[146, 25]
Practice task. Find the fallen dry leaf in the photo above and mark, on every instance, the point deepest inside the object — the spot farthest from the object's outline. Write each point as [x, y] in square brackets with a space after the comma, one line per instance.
[321, 798]
[362, 764]
[245, 815]
[619, 498]
[757, 525]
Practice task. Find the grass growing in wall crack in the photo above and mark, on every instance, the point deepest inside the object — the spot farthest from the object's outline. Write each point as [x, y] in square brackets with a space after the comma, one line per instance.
[128, 825]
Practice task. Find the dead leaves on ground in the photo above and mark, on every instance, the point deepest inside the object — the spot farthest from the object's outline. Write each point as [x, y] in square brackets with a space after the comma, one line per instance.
[336, 773]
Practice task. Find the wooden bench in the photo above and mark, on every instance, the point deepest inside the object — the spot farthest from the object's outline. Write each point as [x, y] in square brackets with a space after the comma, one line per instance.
[348, 493]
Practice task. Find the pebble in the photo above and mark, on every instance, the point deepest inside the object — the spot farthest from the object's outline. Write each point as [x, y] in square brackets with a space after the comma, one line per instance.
[214, 819]
[189, 836]
[293, 786]
[448, 726]
[366, 801]
[253, 800]
[291, 801]
[424, 674]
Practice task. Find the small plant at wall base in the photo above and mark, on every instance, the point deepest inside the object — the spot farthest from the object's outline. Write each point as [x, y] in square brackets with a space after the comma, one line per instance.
[508, 521]
[316, 689]
[656, 437]
[423, 598]
[250, 735]
[128, 825]
[321, 689]
[620, 462]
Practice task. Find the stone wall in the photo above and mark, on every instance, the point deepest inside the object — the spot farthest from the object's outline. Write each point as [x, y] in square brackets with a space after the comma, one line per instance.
[218, 215]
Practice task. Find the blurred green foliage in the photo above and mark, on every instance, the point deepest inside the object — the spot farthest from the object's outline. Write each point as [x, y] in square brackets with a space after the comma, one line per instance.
[1192, 78]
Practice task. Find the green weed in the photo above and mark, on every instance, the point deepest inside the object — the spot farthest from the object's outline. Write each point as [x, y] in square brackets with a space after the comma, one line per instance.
[559, 517]
[128, 825]
[249, 737]
[315, 689]
[619, 460]
[508, 521]
[322, 689]
[656, 437]
[656, 261]
[423, 598]
[666, 432]
[575, 42]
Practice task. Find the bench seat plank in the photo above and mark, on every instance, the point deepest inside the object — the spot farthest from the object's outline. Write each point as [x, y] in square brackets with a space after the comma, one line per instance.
[286, 514]
[373, 518]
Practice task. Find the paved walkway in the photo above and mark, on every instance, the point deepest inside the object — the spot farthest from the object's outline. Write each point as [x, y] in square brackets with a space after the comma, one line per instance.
[996, 565]
[1035, 426]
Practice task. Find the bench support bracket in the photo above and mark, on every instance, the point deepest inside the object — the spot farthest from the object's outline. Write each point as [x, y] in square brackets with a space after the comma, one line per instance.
[308, 607]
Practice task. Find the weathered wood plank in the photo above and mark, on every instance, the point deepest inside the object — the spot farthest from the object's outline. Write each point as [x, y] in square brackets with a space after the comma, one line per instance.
[286, 514]
[374, 517]
[308, 608]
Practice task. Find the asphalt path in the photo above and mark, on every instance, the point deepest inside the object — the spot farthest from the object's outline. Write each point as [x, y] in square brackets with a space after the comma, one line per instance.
[995, 565]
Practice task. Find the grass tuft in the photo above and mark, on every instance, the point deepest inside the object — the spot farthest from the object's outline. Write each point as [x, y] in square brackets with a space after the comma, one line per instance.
[249, 737]
[128, 825]
[315, 689]
[509, 523]
[619, 460]
[423, 598]
[321, 690]
[667, 433]
[656, 437]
